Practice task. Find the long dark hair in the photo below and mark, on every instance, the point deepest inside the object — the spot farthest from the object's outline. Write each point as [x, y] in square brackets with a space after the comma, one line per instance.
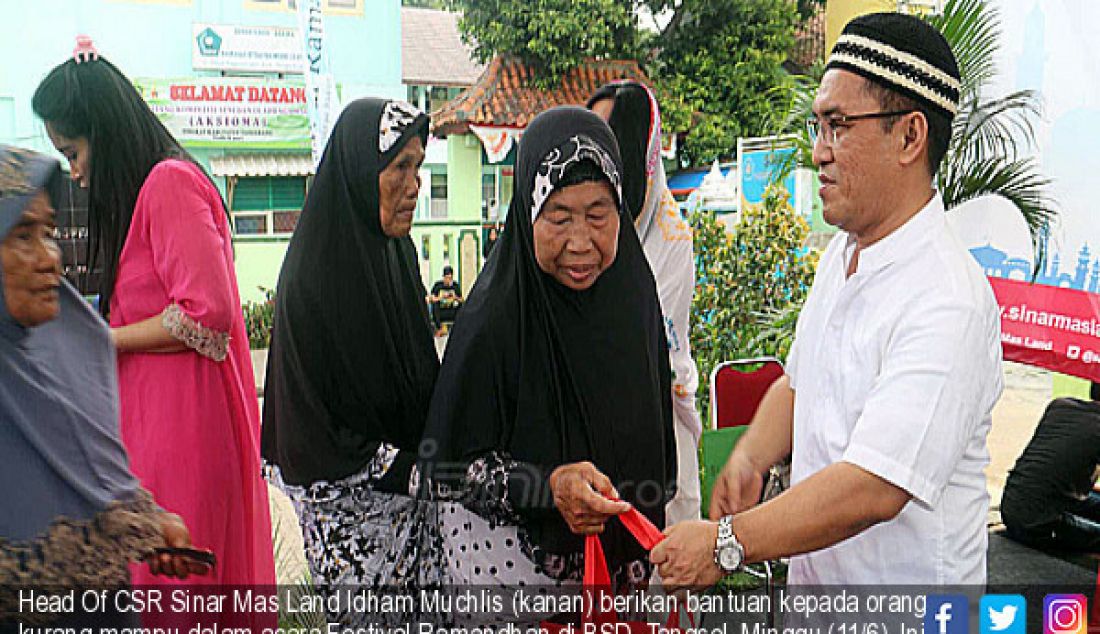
[630, 118]
[126, 140]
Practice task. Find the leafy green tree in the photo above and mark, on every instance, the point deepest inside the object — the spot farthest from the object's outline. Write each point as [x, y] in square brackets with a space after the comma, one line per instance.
[713, 61]
[807, 8]
[551, 36]
[746, 283]
[719, 61]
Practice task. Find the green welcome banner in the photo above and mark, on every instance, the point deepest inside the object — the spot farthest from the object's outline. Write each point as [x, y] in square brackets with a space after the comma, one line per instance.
[231, 111]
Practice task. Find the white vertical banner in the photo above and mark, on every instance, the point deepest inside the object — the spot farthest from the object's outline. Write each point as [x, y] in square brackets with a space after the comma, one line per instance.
[321, 98]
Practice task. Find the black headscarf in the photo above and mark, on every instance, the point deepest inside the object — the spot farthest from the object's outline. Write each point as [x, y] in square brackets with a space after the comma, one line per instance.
[549, 375]
[631, 121]
[352, 361]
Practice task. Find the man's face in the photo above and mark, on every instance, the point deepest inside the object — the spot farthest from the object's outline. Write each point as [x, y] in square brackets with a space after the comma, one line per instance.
[448, 279]
[857, 170]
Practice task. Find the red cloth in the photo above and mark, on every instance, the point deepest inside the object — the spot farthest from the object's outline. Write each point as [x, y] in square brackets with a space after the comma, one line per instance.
[597, 578]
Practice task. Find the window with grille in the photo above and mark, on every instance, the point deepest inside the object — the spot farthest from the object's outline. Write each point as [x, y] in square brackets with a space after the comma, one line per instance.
[489, 202]
[439, 196]
[268, 205]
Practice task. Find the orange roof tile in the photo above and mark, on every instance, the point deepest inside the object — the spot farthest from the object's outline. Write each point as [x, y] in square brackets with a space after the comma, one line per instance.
[503, 96]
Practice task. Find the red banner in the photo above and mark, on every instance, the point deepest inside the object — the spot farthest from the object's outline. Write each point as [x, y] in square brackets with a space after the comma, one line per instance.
[1050, 327]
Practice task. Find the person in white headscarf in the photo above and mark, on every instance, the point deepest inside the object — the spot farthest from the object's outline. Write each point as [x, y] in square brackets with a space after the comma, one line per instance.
[631, 110]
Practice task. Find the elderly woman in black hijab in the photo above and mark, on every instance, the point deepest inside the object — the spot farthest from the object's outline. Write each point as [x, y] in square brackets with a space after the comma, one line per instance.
[73, 515]
[352, 360]
[554, 392]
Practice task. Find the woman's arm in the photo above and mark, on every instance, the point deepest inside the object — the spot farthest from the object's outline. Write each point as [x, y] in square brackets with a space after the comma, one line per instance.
[149, 335]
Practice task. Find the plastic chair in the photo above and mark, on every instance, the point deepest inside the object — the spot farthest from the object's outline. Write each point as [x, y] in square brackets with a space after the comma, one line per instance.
[737, 387]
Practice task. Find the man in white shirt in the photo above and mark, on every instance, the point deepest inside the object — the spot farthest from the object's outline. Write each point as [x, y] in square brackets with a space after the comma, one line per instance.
[895, 366]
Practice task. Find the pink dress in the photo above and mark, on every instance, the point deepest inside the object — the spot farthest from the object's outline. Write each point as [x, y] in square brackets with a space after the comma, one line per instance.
[190, 419]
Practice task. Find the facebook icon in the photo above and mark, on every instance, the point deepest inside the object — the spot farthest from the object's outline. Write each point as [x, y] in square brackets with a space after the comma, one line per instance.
[946, 614]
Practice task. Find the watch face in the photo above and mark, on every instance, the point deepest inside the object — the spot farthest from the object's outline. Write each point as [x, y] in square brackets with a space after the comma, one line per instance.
[729, 558]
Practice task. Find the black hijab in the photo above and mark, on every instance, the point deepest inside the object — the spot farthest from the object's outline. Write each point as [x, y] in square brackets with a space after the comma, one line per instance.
[549, 375]
[631, 120]
[352, 361]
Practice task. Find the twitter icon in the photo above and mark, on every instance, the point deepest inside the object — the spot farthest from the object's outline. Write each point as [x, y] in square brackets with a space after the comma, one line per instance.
[1003, 614]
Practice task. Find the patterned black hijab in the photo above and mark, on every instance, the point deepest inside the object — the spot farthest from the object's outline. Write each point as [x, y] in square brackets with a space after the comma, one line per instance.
[352, 361]
[550, 375]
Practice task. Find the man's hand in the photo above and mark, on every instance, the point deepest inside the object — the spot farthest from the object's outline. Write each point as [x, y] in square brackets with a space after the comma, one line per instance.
[685, 558]
[737, 488]
[580, 495]
[175, 536]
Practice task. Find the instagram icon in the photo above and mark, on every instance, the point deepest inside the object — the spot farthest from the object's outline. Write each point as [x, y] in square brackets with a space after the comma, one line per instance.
[1064, 614]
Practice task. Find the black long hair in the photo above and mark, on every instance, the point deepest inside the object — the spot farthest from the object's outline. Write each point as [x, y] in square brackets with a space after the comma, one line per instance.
[630, 117]
[126, 140]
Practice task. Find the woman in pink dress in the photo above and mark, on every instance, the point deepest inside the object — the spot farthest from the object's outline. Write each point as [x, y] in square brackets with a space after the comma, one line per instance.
[160, 230]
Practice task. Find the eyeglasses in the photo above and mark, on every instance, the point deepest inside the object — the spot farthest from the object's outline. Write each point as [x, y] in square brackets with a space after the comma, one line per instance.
[829, 125]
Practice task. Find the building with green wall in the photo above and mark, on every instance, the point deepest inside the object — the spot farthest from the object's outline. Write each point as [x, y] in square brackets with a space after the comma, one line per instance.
[436, 67]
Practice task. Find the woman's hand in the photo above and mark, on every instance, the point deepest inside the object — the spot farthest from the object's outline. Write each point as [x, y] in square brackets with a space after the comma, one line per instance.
[580, 495]
[175, 536]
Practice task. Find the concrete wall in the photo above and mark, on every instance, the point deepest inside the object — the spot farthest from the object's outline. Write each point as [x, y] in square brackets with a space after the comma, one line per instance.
[839, 12]
[263, 259]
[463, 178]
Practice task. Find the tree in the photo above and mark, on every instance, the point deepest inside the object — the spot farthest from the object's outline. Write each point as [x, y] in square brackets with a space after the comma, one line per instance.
[551, 36]
[991, 138]
[427, 4]
[719, 61]
[713, 61]
[746, 283]
[807, 8]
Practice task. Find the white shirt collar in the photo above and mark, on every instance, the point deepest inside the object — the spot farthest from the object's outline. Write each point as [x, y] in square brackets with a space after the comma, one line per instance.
[904, 240]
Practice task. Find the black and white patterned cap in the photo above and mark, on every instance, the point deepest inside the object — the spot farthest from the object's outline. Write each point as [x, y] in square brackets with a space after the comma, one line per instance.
[903, 53]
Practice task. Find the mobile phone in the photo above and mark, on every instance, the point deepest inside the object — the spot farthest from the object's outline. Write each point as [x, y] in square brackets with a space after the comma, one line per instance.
[200, 556]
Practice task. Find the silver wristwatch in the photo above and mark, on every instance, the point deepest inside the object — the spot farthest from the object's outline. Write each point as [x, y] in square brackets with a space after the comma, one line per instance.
[728, 552]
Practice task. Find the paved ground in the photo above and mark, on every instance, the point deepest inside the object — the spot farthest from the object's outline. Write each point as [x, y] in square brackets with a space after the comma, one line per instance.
[1027, 391]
